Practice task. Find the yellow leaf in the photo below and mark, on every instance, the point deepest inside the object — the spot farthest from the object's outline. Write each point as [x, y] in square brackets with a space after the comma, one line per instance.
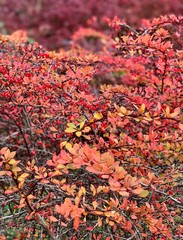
[147, 114]
[68, 146]
[60, 166]
[70, 130]
[62, 144]
[82, 191]
[108, 213]
[78, 134]
[46, 116]
[123, 110]
[23, 176]
[144, 194]
[81, 125]
[98, 116]
[142, 108]
[12, 161]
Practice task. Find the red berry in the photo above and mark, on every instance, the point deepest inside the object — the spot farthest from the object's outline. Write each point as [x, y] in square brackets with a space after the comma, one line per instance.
[170, 192]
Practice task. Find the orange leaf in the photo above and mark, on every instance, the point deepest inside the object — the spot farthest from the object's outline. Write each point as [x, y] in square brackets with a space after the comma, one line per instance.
[76, 223]
[87, 129]
[95, 204]
[39, 131]
[16, 169]
[53, 129]
[9, 191]
[175, 113]
[99, 222]
[97, 167]
[77, 200]
[2, 173]
[181, 126]
[114, 183]
[124, 193]
[2, 237]
[98, 213]
[108, 238]
[92, 170]
[167, 111]
[137, 191]
[107, 158]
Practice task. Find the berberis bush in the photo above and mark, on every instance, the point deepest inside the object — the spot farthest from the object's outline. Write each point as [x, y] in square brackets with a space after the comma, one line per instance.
[91, 141]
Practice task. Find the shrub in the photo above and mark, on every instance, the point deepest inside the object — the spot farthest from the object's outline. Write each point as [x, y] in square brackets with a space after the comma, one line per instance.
[81, 160]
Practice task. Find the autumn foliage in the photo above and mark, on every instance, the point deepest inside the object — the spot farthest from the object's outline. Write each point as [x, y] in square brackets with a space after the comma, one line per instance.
[92, 137]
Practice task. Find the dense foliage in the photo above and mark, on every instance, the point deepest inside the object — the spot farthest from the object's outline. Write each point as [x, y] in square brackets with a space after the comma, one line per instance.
[52, 23]
[92, 137]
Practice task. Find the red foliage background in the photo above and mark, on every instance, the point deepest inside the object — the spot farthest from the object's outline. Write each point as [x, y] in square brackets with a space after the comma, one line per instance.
[52, 23]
